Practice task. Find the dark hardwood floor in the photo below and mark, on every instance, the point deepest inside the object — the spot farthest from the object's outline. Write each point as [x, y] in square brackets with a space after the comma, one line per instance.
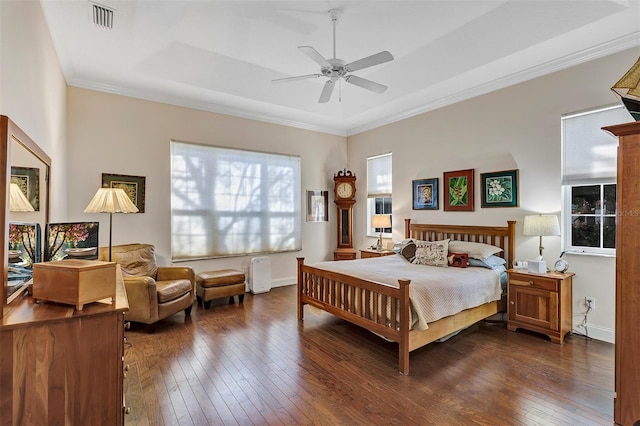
[254, 364]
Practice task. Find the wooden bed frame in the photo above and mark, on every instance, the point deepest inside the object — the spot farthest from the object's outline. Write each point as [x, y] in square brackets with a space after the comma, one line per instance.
[359, 301]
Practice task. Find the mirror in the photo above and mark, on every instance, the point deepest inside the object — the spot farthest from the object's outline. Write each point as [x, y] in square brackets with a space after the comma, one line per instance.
[26, 206]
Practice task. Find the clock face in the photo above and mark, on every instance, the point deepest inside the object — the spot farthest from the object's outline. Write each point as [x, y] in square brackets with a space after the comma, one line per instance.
[344, 190]
[561, 265]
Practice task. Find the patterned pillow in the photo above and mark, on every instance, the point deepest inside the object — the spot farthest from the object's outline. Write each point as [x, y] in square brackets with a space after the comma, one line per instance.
[433, 253]
[409, 251]
[458, 260]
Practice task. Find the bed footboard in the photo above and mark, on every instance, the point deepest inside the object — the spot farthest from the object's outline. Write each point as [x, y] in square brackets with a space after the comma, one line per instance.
[377, 307]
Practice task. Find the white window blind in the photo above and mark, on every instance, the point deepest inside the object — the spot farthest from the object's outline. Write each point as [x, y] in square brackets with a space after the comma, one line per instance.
[379, 176]
[589, 153]
[227, 202]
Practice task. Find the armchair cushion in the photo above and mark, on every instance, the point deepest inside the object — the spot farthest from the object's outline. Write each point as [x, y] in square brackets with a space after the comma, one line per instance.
[169, 290]
[136, 260]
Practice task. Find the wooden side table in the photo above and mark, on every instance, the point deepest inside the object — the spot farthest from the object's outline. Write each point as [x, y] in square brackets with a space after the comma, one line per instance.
[375, 253]
[540, 303]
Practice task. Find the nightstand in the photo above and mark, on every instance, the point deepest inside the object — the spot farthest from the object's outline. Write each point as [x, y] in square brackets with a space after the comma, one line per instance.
[540, 303]
[375, 253]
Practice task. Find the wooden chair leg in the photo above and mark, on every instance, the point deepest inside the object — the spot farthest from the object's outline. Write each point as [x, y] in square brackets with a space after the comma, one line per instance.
[231, 300]
[206, 304]
[187, 311]
[150, 328]
[241, 298]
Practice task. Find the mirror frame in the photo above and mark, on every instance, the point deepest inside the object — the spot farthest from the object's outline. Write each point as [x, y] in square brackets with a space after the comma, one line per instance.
[9, 132]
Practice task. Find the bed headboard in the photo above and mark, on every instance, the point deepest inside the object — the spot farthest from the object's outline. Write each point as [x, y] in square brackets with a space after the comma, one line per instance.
[500, 236]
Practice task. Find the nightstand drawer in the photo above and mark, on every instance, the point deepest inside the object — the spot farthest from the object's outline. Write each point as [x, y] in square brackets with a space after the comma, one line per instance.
[533, 281]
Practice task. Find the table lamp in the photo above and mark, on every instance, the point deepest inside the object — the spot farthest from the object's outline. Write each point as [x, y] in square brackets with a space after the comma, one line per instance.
[381, 221]
[541, 225]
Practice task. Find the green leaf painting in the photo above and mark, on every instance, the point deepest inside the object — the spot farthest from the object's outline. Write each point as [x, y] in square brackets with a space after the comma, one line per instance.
[458, 191]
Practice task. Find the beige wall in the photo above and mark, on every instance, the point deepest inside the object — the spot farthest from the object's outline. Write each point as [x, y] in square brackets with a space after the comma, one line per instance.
[514, 128]
[121, 135]
[32, 87]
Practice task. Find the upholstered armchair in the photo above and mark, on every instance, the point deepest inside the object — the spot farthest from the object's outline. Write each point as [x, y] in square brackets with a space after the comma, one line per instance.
[154, 292]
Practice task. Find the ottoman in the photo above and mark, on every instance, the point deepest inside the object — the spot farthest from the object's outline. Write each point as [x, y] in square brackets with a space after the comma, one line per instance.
[222, 283]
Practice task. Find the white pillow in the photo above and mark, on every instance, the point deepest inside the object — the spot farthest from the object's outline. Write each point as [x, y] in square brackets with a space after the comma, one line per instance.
[476, 250]
[433, 253]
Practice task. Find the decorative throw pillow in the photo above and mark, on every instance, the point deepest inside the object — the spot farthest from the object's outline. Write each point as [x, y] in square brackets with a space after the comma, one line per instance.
[476, 250]
[458, 260]
[409, 251]
[433, 253]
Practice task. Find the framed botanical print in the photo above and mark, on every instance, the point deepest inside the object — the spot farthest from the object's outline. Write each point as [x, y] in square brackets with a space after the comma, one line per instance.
[458, 190]
[500, 189]
[425, 194]
[132, 185]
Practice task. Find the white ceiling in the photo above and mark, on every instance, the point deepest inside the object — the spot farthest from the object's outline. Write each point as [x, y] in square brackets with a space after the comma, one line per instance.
[222, 55]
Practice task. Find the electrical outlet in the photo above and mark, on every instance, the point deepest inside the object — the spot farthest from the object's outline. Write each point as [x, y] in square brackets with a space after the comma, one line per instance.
[590, 301]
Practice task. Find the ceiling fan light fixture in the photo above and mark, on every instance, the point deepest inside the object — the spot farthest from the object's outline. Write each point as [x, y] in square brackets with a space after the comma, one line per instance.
[336, 69]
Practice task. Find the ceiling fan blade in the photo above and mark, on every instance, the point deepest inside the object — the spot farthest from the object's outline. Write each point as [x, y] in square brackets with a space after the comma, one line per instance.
[313, 54]
[369, 61]
[365, 84]
[298, 77]
[326, 92]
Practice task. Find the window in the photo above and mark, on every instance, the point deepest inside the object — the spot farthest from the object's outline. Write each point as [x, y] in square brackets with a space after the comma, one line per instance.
[378, 191]
[589, 157]
[227, 202]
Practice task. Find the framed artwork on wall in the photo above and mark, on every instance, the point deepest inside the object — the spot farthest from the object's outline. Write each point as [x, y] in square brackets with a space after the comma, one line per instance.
[458, 190]
[28, 180]
[132, 185]
[500, 189]
[317, 206]
[425, 194]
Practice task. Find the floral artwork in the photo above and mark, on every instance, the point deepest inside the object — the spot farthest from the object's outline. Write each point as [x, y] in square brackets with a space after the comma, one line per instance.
[500, 189]
[24, 242]
[425, 194]
[71, 240]
[458, 188]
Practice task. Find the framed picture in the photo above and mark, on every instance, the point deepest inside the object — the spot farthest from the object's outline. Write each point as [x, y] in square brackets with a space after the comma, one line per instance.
[425, 194]
[132, 185]
[500, 189]
[458, 190]
[317, 206]
[28, 180]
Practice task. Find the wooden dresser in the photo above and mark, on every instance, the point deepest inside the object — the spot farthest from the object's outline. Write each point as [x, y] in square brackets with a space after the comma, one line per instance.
[59, 365]
[626, 409]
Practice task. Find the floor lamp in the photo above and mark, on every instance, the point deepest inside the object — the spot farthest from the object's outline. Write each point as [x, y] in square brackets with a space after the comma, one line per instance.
[111, 200]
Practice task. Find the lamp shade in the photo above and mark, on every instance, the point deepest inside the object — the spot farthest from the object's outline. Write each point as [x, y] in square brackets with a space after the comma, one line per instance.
[381, 221]
[541, 225]
[18, 202]
[111, 200]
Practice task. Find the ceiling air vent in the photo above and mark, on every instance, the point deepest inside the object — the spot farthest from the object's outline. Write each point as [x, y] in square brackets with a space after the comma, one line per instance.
[102, 16]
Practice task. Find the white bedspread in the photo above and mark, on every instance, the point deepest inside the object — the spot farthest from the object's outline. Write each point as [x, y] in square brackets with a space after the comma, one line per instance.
[434, 293]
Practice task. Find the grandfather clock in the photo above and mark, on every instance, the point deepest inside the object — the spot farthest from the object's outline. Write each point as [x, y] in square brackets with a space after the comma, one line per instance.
[345, 198]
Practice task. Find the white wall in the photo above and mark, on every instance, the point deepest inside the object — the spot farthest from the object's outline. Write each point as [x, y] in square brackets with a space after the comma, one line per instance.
[121, 135]
[32, 87]
[514, 128]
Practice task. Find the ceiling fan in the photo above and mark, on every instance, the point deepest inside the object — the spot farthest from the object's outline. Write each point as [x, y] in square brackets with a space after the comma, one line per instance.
[337, 69]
